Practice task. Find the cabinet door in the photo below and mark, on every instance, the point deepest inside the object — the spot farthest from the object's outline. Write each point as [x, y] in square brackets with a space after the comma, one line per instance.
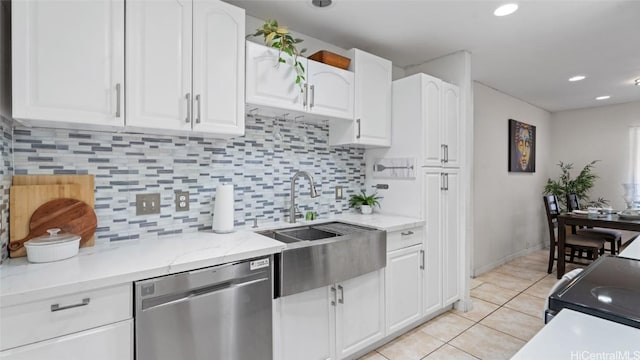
[451, 124]
[159, 64]
[218, 68]
[68, 61]
[109, 342]
[331, 90]
[451, 224]
[307, 325]
[270, 83]
[432, 123]
[432, 286]
[403, 284]
[360, 313]
[372, 99]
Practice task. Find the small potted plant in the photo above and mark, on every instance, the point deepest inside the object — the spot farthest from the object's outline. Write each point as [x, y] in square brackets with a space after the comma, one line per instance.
[364, 202]
[278, 36]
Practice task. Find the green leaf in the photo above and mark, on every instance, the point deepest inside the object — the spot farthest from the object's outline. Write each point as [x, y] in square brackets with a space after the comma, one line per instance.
[281, 60]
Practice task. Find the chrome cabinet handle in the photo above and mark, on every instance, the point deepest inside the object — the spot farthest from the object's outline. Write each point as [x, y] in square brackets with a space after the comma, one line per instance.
[341, 299]
[305, 95]
[442, 182]
[57, 307]
[422, 260]
[442, 146]
[313, 97]
[333, 292]
[446, 153]
[446, 177]
[198, 107]
[118, 100]
[407, 233]
[358, 136]
[188, 98]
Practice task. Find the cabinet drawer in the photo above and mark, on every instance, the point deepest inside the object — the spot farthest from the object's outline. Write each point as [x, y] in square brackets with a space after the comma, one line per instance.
[402, 239]
[45, 319]
[109, 342]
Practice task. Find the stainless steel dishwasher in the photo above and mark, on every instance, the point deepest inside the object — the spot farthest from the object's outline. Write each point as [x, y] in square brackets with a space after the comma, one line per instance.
[221, 312]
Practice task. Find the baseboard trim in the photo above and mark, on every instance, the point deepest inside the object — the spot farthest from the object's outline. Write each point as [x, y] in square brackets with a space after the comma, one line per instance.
[485, 268]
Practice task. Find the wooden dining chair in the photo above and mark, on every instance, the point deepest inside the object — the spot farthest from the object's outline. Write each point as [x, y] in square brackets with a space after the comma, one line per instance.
[613, 237]
[574, 242]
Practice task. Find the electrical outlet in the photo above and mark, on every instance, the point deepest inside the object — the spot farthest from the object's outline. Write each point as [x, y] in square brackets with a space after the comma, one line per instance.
[182, 200]
[147, 204]
[339, 193]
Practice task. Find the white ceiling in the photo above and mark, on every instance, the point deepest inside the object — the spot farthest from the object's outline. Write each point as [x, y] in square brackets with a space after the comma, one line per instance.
[529, 55]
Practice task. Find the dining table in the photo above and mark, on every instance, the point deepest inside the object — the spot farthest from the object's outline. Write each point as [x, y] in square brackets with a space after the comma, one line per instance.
[610, 221]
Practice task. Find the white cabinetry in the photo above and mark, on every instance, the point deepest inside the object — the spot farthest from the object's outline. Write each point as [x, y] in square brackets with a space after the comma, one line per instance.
[332, 322]
[372, 112]
[68, 63]
[441, 123]
[403, 287]
[327, 93]
[182, 75]
[443, 264]
[94, 324]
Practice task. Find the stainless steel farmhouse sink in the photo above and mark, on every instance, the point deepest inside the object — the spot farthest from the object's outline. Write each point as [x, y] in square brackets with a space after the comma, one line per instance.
[323, 254]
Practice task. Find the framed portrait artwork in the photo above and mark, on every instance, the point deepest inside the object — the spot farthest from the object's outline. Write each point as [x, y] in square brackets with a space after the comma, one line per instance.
[522, 147]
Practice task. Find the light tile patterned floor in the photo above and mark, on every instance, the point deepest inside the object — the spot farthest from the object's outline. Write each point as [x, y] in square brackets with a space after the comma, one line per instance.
[507, 311]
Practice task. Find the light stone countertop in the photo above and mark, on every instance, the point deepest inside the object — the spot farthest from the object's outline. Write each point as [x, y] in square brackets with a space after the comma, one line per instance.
[120, 262]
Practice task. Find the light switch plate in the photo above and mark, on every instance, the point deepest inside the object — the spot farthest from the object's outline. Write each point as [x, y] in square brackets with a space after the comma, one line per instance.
[182, 200]
[148, 204]
[339, 193]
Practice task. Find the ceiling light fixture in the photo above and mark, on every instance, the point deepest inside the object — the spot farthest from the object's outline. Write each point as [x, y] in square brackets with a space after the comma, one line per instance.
[605, 97]
[321, 3]
[506, 9]
[577, 78]
[638, 82]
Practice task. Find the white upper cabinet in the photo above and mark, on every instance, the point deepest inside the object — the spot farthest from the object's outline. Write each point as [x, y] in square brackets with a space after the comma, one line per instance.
[329, 90]
[159, 64]
[164, 39]
[372, 109]
[218, 68]
[441, 112]
[68, 62]
[326, 94]
[270, 83]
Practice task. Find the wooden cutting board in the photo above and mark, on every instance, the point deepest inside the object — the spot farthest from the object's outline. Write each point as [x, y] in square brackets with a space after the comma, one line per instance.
[86, 183]
[70, 215]
[31, 191]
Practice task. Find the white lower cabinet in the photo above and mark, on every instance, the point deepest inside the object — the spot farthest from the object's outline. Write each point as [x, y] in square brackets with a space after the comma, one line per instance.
[109, 342]
[403, 281]
[331, 322]
[94, 324]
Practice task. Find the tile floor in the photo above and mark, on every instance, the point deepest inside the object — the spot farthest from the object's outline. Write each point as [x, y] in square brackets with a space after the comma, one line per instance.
[508, 303]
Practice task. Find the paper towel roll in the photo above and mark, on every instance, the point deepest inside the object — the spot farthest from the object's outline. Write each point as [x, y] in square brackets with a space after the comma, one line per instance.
[223, 209]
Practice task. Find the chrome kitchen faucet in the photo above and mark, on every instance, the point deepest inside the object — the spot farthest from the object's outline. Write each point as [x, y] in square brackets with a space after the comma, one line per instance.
[314, 193]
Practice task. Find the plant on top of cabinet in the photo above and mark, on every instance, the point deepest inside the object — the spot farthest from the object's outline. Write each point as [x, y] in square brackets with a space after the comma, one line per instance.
[278, 37]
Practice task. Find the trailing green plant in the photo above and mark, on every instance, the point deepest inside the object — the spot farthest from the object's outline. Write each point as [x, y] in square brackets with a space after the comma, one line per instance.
[277, 36]
[581, 185]
[357, 200]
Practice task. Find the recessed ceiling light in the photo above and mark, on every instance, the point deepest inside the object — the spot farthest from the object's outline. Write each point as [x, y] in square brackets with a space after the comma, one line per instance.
[603, 97]
[506, 9]
[577, 78]
[321, 3]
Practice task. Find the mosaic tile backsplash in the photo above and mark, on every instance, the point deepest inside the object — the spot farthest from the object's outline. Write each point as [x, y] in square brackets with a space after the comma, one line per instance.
[6, 171]
[260, 166]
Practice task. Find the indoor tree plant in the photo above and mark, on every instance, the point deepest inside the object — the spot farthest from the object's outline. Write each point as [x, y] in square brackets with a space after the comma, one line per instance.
[277, 36]
[364, 202]
[580, 185]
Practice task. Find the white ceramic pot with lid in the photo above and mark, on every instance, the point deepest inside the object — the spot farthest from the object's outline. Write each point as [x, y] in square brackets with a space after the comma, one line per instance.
[52, 247]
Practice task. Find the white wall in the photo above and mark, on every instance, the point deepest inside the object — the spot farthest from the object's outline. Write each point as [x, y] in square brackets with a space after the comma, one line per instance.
[602, 133]
[508, 208]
